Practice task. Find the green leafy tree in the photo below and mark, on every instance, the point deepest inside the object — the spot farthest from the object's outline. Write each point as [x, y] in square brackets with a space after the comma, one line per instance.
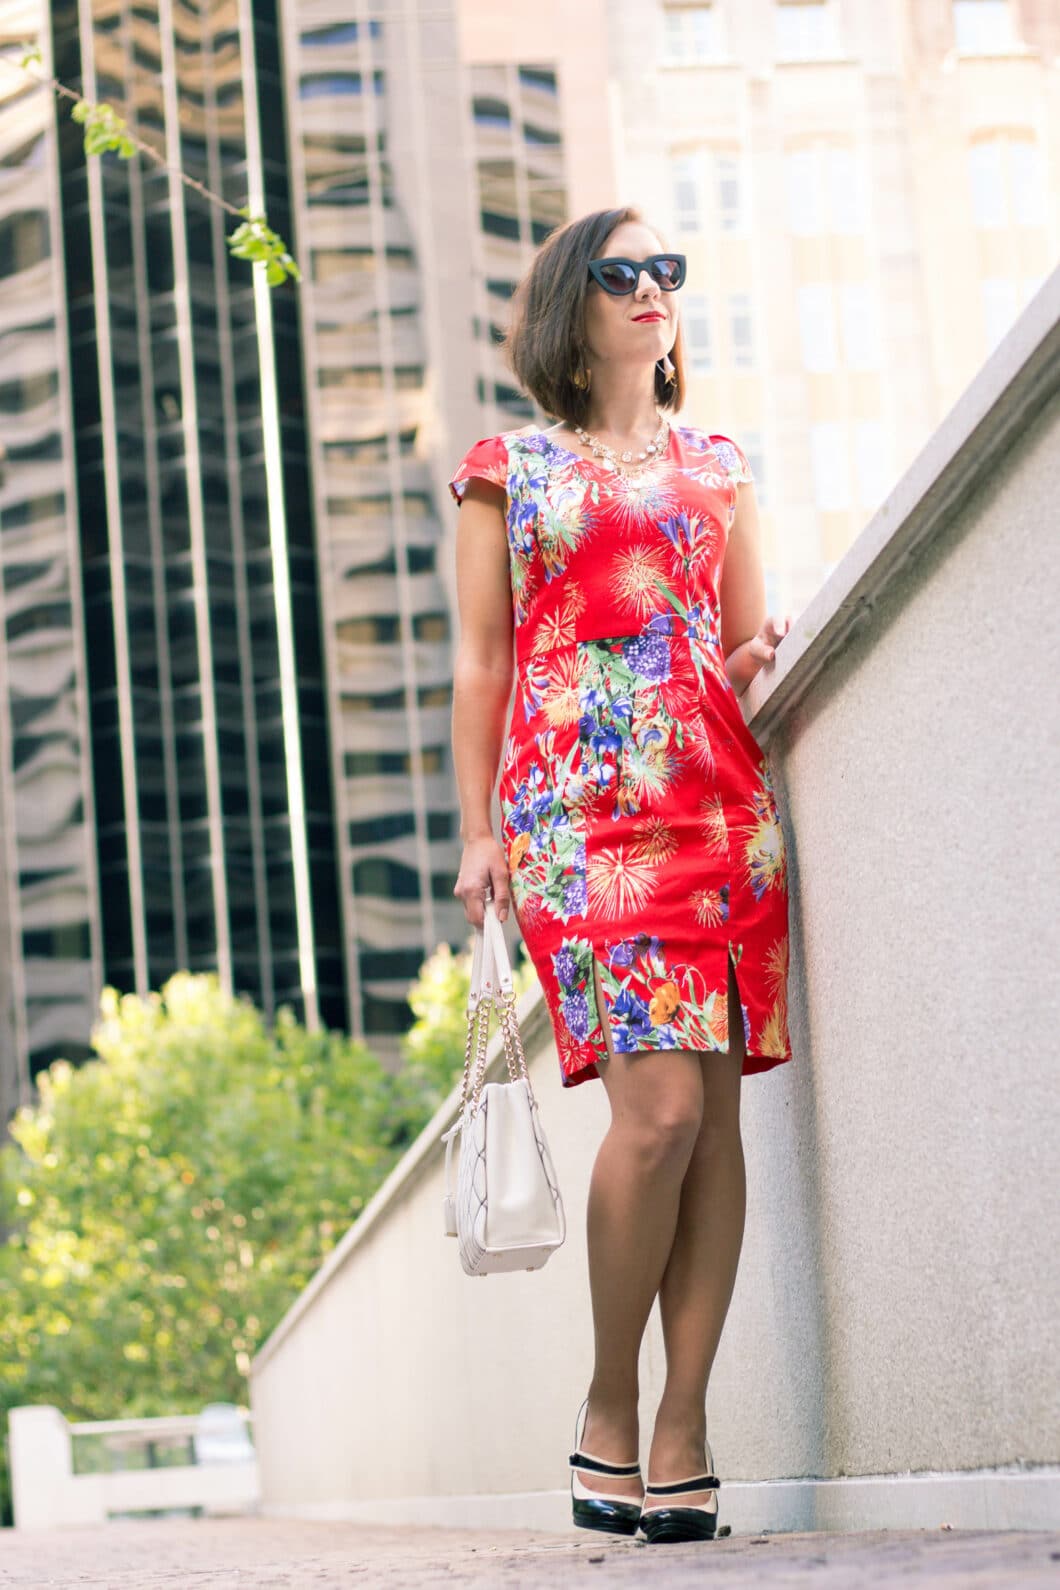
[166, 1202]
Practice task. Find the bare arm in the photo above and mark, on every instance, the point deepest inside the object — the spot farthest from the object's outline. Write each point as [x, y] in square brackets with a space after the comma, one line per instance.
[748, 636]
[482, 687]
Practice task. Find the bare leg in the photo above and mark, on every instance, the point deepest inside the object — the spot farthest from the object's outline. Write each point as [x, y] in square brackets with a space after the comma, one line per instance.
[656, 1103]
[700, 1274]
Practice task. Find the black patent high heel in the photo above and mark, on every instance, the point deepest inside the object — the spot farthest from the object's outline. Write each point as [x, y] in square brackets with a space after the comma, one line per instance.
[684, 1523]
[617, 1515]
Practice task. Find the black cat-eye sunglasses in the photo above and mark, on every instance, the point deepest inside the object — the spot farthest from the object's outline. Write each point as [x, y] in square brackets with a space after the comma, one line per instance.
[618, 276]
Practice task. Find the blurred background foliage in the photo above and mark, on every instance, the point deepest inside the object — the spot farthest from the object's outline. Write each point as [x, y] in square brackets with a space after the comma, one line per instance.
[162, 1206]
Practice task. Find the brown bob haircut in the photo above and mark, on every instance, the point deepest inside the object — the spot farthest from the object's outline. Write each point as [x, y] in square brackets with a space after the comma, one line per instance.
[545, 343]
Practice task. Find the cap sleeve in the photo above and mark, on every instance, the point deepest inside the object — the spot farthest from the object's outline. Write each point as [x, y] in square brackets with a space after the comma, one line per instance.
[487, 460]
[733, 458]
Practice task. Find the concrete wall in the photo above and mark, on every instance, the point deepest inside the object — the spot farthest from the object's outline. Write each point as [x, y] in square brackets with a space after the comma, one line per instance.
[921, 1190]
[899, 1276]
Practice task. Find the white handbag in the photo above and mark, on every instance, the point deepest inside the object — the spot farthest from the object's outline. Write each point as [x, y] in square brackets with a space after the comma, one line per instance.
[507, 1213]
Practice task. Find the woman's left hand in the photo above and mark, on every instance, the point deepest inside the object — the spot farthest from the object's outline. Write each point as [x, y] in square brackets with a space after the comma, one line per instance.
[743, 663]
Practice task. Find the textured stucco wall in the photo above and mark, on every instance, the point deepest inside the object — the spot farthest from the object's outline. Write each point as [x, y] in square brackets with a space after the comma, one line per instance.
[899, 1273]
[900, 1282]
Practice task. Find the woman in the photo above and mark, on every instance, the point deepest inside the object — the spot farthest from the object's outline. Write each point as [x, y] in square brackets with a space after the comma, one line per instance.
[641, 845]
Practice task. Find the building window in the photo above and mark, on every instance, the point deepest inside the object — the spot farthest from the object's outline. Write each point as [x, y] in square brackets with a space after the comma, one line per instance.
[498, 197]
[685, 177]
[807, 30]
[331, 264]
[34, 510]
[831, 466]
[511, 401]
[830, 444]
[384, 1017]
[741, 331]
[730, 192]
[430, 626]
[376, 830]
[861, 326]
[339, 33]
[1026, 170]
[697, 333]
[872, 463]
[541, 78]
[542, 136]
[1007, 176]
[24, 241]
[334, 85]
[381, 965]
[548, 209]
[985, 168]
[817, 328]
[845, 191]
[692, 34]
[380, 630]
[489, 112]
[983, 27]
[496, 225]
[825, 191]
[857, 319]
[28, 392]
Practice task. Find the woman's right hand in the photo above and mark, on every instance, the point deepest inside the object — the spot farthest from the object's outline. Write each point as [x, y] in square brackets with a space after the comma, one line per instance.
[482, 865]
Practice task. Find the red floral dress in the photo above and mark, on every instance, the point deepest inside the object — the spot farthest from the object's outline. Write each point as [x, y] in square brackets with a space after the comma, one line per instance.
[638, 813]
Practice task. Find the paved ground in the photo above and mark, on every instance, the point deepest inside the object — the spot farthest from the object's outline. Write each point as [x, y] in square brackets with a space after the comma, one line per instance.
[206, 1554]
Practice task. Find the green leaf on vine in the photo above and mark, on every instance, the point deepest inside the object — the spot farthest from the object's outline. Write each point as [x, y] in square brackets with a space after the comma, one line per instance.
[256, 241]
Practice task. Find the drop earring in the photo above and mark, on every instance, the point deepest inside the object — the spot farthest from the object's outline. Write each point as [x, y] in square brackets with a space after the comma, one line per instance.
[668, 369]
[581, 378]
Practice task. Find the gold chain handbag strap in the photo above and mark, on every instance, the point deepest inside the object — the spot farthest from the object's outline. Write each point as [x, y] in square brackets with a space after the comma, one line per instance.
[491, 989]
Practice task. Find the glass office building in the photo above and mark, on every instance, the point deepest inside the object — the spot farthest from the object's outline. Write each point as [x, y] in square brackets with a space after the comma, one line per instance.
[226, 663]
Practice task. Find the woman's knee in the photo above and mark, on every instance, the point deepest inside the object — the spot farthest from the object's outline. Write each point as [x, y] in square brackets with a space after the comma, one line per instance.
[662, 1120]
[669, 1135]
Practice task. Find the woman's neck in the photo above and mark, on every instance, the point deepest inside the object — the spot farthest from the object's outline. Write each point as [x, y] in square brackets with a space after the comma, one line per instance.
[624, 410]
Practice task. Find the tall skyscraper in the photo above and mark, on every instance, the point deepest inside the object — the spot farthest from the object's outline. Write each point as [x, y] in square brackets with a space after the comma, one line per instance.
[225, 664]
[51, 933]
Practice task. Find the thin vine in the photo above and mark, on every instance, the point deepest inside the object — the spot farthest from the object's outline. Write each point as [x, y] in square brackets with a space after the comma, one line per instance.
[108, 133]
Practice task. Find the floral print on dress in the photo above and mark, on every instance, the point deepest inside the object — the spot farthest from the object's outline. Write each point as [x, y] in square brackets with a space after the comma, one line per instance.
[644, 841]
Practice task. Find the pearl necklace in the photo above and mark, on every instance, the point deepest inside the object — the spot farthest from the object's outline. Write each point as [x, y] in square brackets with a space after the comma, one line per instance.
[616, 460]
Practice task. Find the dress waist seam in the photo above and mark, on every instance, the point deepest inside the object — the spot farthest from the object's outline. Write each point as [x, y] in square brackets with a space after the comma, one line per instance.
[526, 656]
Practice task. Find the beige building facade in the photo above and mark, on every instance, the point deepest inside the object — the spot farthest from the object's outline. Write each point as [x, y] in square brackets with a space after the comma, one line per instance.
[867, 194]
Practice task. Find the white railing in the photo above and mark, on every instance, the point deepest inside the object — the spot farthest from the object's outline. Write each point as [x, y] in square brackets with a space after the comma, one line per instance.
[221, 1475]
